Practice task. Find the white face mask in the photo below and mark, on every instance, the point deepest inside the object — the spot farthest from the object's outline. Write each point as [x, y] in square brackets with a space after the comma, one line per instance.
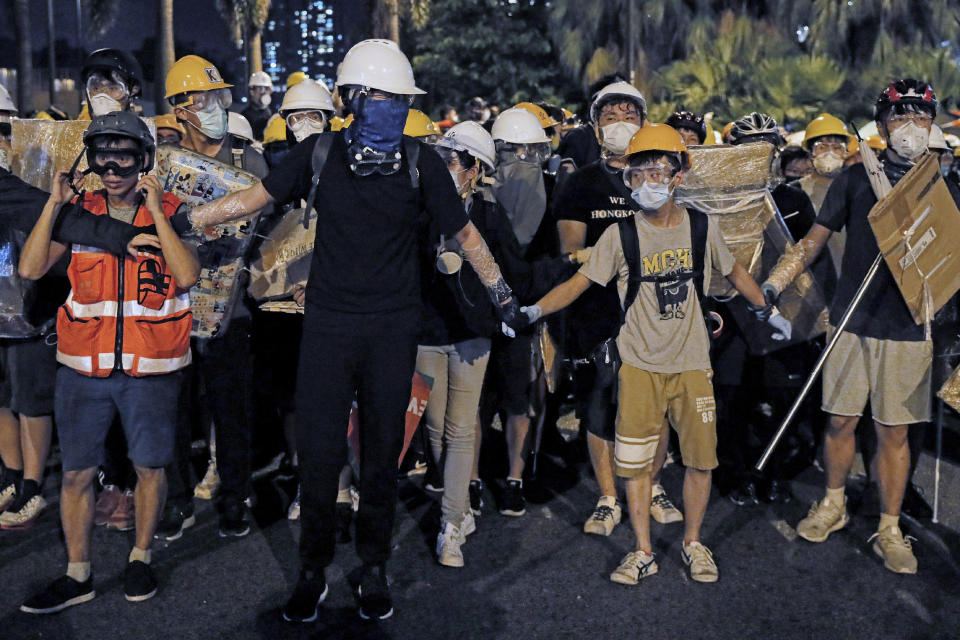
[651, 195]
[910, 140]
[828, 164]
[616, 136]
[306, 128]
[4, 159]
[101, 104]
[213, 121]
[265, 99]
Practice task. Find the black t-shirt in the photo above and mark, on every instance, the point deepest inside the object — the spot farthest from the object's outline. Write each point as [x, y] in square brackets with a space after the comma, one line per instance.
[364, 276]
[587, 196]
[257, 116]
[882, 313]
[795, 208]
[580, 145]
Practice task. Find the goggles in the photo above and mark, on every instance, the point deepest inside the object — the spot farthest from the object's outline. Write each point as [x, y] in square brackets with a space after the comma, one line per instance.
[451, 155]
[922, 119]
[826, 146]
[377, 94]
[365, 161]
[122, 162]
[297, 117]
[112, 85]
[201, 100]
[659, 173]
[537, 152]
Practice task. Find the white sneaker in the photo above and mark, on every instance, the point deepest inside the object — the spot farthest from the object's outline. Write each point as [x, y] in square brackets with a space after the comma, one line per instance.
[207, 488]
[25, 516]
[469, 524]
[699, 560]
[606, 515]
[293, 513]
[449, 541]
[661, 508]
[891, 545]
[824, 518]
[635, 566]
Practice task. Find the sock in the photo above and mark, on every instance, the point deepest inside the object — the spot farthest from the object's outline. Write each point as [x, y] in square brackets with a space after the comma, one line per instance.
[12, 477]
[343, 495]
[79, 571]
[30, 488]
[887, 521]
[835, 495]
[139, 554]
[520, 480]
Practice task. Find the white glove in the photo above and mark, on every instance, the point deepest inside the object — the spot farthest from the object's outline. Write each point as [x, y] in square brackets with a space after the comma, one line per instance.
[781, 325]
[534, 312]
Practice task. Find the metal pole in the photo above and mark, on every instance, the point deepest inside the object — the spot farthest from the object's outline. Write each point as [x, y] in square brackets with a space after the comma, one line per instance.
[80, 43]
[630, 65]
[936, 471]
[791, 414]
[52, 51]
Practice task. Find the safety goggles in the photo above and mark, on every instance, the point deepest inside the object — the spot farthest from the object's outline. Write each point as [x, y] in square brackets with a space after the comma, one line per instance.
[365, 161]
[826, 146]
[122, 162]
[296, 118]
[921, 119]
[202, 100]
[537, 152]
[377, 94]
[658, 172]
[453, 155]
[112, 85]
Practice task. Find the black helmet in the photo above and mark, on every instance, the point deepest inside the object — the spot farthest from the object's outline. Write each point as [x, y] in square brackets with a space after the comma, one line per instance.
[689, 120]
[121, 123]
[906, 92]
[756, 127]
[115, 60]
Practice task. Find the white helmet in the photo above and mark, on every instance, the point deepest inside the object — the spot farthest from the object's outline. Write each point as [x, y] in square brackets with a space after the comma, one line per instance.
[518, 126]
[260, 79]
[6, 104]
[622, 89]
[378, 64]
[471, 137]
[308, 94]
[937, 140]
[239, 127]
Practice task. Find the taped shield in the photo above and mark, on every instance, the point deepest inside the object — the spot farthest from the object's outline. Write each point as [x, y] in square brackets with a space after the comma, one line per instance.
[283, 259]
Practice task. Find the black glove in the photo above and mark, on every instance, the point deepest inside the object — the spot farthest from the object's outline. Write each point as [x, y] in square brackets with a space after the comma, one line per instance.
[770, 293]
[761, 312]
[511, 318]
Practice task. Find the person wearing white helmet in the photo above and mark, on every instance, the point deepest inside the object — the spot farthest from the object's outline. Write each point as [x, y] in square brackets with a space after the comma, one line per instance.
[306, 108]
[362, 301]
[258, 111]
[938, 145]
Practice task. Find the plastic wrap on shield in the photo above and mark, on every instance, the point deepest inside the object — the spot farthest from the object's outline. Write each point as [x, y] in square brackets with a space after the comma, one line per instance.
[730, 184]
[16, 294]
[950, 391]
[195, 179]
[283, 259]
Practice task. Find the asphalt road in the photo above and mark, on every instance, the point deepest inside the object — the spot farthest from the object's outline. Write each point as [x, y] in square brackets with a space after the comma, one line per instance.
[537, 576]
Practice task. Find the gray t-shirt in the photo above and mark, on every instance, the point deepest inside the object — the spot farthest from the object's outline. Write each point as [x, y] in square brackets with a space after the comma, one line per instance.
[664, 330]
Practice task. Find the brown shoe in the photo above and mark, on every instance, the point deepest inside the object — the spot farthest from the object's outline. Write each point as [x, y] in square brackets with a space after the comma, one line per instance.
[123, 517]
[106, 504]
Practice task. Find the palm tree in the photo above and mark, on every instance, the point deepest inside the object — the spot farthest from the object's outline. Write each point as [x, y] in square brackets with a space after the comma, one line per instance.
[385, 19]
[166, 53]
[21, 13]
[246, 19]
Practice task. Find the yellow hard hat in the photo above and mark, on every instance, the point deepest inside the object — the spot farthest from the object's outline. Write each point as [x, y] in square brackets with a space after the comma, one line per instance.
[84, 112]
[541, 113]
[43, 115]
[193, 73]
[337, 123]
[169, 121]
[659, 137]
[419, 124]
[296, 78]
[276, 129]
[824, 125]
[711, 138]
[724, 135]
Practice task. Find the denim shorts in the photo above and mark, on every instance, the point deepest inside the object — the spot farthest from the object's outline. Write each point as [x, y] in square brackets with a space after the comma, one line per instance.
[86, 407]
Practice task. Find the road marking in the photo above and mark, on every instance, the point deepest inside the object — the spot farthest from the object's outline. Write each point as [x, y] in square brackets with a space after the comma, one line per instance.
[911, 601]
[784, 529]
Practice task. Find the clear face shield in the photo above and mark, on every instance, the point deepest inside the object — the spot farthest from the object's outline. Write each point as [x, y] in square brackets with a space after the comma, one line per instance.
[452, 154]
[106, 92]
[535, 153]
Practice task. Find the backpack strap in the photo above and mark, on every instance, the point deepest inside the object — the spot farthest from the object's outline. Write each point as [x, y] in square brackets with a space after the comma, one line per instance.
[321, 149]
[412, 149]
[699, 224]
[631, 255]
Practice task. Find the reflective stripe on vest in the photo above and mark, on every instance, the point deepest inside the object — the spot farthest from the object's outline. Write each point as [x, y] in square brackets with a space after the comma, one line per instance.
[155, 332]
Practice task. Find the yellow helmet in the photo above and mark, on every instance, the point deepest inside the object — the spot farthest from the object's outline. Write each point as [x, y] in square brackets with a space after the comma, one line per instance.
[659, 137]
[338, 123]
[169, 121]
[296, 78]
[84, 112]
[42, 115]
[419, 125]
[541, 113]
[193, 73]
[725, 134]
[824, 125]
[276, 130]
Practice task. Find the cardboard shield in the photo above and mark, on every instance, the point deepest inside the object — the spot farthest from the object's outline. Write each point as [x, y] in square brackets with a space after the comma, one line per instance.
[196, 179]
[283, 259]
[419, 396]
[918, 230]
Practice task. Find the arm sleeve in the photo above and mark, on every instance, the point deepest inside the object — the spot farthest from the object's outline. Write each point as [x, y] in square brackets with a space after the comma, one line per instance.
[606, 258]
[833, 213]
[289, 181]
[720, 256]
[440, 197]
[75, 225]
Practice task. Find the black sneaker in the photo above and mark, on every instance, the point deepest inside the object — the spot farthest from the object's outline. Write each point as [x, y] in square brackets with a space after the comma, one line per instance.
[344, 517]
[744, 494]
[776, 492]
[176, 519]
[433, 479]
[232, 522]
[61, 593]
[512, 502]
[310, 591]
[138, 582]
[374, 594]
[476, 496]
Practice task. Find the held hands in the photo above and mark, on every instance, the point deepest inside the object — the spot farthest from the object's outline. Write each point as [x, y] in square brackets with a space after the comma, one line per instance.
[61, 192]
[520, 319]
[770, 293]
[783, 328]
[152, 192]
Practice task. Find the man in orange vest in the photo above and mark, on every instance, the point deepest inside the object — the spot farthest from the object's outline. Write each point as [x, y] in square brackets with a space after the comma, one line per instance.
[123, 336]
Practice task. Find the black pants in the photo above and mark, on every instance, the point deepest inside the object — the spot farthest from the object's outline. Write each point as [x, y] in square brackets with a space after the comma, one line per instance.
[223, 366]
[378, 369]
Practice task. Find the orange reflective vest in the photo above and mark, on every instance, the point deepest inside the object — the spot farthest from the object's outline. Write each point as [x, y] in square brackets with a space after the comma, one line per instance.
[123, 315]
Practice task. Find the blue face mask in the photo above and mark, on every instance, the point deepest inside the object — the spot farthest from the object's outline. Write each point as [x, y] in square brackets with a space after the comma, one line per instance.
[378, 124]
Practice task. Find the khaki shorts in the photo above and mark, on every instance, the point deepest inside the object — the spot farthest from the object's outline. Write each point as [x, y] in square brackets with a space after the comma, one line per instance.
[685, 398]
[893, 374]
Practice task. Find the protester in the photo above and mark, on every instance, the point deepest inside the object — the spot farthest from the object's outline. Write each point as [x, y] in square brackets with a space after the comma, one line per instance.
[258, 111]
[169, 131]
